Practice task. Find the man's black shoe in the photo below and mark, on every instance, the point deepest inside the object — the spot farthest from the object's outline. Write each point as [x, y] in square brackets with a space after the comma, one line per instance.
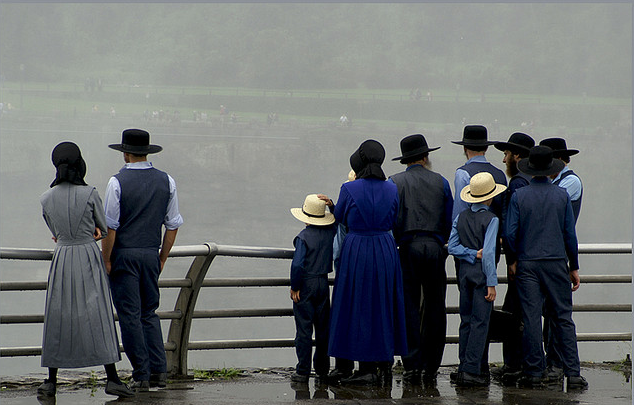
[337, 374]
[158, 380]
[361, 379]
[412, 377]
[554, 374]
[509, 379]
[471, 380]
[577, 383]
[529, 381]
[453, 376]
[429, 377]
[300, 378]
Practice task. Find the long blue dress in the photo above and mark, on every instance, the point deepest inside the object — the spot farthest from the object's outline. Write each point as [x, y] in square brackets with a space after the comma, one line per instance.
[368, 313]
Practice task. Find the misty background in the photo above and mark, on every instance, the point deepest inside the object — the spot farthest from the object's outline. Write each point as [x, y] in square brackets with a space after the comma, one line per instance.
[206, 79]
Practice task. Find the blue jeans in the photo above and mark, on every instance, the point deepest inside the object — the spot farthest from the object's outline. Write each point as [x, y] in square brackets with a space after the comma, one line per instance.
[536, 281]
[135, 294]
[475, 315]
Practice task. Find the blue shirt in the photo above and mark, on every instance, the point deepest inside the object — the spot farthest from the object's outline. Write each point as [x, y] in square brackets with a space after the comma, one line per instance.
[173, 219]
[571, 183]
[488, 250]
[462, 180]
[297, 265]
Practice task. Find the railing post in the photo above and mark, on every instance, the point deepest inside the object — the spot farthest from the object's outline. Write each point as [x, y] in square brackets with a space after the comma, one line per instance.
[186, 303]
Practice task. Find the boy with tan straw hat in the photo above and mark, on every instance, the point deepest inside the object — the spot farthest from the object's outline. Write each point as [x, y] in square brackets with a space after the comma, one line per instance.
[472, 241]
[310, 293]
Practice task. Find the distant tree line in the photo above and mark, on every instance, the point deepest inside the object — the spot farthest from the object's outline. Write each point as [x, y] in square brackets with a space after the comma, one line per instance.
[527, 48]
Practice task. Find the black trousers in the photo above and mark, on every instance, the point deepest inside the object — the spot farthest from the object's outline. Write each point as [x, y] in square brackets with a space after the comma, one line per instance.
[425, 287]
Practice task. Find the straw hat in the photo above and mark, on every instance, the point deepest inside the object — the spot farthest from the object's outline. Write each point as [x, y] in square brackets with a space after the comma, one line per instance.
[481, 188]
[313, 212]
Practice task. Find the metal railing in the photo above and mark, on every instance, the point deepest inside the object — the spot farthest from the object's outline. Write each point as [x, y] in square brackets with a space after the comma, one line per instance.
[181, 318]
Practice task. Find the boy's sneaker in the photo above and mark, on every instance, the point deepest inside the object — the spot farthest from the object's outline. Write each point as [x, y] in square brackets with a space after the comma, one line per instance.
[119, 390]
[577, 383]
[300, 378]
[158, 380]
[140, 386]
[47, 389]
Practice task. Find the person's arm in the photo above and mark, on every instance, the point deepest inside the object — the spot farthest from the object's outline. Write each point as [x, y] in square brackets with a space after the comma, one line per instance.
[101, 229]
[297, 268]
[488, 252]
[106, 248]
[458, 250]
[448, 210]
[460, 181]
[168, 241]
[572, 184]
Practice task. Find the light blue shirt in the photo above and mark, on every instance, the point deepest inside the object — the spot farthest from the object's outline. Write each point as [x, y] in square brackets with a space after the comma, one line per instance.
[488, 250]
[462, 180]
[571, 183]
[173, 219]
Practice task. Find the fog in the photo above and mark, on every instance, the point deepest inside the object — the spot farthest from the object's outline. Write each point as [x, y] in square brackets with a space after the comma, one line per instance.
[544, 69]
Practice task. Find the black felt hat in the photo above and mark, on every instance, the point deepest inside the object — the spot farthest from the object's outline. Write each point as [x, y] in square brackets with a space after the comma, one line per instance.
[136, 141]
[558, 145]
[518, 143]
[413, 147]
[474, 135]
[540, 162]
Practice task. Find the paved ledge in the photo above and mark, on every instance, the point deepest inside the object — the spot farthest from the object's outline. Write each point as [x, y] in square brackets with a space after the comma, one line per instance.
[608, 385]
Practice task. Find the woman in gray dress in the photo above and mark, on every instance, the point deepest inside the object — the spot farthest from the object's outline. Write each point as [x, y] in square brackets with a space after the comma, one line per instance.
[79, 329]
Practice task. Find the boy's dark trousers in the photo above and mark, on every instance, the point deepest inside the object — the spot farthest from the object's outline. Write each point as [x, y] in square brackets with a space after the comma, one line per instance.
[512, 344]
[312, 310]
[475, 314]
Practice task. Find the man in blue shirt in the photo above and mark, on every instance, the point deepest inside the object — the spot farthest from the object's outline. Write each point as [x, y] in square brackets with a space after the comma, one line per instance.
[571, 182]
[473, 239]
[421, 230]
[140, 200]
[540, 231]
[515, 149]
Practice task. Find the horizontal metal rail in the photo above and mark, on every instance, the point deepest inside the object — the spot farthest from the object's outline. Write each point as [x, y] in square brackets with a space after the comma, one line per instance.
[178, 342]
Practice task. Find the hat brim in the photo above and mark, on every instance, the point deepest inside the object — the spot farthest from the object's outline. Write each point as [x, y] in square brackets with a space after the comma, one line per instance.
[327, 219]
[415, 154]
[502, 146]
[555, 167]
[466, 196]
[564, 152]
[139, 150]
[468, 143]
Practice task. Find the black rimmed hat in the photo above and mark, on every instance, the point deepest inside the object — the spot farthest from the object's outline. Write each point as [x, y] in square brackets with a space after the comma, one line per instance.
[136, 141]
[558, 145]
[413, 147]
[518, 143]
[540, 162]
[474, 135]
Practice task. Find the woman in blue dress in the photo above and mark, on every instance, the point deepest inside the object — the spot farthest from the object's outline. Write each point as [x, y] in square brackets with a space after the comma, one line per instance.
[368, 314]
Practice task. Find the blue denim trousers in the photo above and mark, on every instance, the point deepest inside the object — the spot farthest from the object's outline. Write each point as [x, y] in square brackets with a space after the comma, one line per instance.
[135, 294]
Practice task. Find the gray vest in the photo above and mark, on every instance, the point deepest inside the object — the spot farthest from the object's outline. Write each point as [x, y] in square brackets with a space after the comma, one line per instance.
[421, 201]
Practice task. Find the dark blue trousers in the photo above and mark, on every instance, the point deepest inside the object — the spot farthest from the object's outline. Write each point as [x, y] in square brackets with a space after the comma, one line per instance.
[536, 281]
[312, 311]
[475, 315]
[135, 294]
[423, 263]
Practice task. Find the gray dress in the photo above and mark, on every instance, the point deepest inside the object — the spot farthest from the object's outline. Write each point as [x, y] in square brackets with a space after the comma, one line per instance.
[79, 329]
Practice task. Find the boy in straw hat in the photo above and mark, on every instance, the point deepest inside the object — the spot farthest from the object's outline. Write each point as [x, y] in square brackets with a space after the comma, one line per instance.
[310, 293]
[472, 241]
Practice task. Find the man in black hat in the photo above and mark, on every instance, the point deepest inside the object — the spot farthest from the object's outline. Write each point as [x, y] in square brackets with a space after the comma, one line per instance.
[421, 231]
[540, 231]
[571, 182]
[475, 144]
[515, 149]
[139, 201]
